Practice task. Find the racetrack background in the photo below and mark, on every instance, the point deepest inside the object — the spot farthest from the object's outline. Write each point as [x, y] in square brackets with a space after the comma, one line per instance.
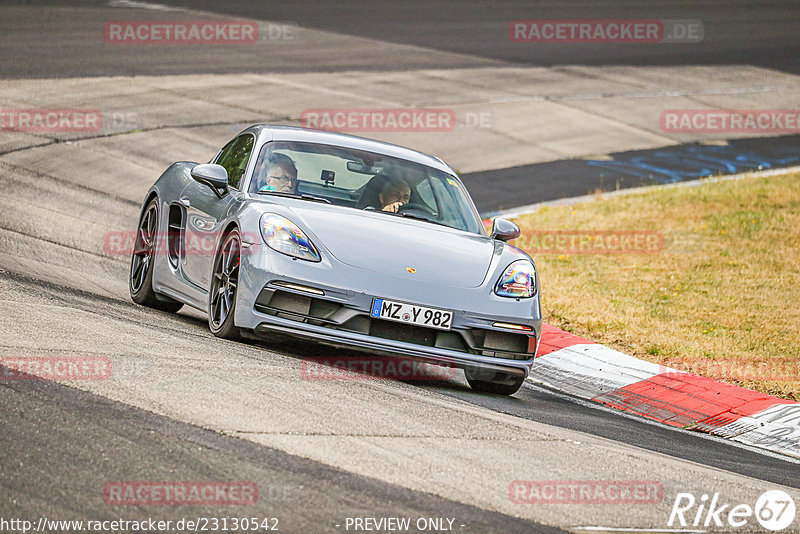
[530, 120]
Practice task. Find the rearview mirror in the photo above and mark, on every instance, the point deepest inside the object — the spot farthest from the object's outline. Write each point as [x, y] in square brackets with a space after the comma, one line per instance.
[213, 175]
[504, 230]
[363, 168]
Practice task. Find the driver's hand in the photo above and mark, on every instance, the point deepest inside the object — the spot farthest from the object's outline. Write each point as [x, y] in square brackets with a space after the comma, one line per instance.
[393, 207]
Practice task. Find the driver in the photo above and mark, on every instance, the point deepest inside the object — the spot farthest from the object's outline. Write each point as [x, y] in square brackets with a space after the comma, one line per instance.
[281, 174]
[394, 193]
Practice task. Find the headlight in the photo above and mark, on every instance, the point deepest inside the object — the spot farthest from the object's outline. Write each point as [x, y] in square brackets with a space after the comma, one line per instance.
[517, 281]
[284, 236]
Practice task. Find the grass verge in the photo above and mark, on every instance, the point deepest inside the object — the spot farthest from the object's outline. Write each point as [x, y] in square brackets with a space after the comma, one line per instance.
[719, 295]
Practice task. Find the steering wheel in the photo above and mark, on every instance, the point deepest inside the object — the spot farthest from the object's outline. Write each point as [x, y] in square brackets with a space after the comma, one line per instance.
[418, 210]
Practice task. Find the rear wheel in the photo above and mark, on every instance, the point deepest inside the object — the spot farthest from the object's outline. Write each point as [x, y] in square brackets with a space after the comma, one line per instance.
[489, 381]
[140, 281]
[222, 297]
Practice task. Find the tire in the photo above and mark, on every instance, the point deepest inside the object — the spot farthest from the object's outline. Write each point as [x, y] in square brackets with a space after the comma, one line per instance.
[224, 282]
[140, 277]
[488, 381]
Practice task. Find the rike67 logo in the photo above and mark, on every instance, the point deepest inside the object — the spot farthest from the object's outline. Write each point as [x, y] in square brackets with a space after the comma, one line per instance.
[774, 510]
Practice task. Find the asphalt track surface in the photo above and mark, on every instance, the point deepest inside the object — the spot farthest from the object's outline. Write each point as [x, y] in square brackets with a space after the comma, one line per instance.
[61, 444]
[504, 189]
[62, 425]
[754, 33]
[472, 32]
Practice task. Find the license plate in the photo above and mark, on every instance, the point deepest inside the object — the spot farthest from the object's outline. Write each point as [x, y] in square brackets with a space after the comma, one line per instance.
[409, 313]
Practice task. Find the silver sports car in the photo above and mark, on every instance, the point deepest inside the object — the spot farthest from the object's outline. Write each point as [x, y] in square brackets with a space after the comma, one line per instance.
[342, 240]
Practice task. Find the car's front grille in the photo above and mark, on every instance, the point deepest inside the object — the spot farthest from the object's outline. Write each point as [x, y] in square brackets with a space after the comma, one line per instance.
[417, 335]
[321, 312]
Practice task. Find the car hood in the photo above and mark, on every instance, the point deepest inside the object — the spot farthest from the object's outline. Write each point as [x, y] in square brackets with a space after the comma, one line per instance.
[397, 247]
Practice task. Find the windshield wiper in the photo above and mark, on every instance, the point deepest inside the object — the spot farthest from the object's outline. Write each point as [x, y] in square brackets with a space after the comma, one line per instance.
[304, 196]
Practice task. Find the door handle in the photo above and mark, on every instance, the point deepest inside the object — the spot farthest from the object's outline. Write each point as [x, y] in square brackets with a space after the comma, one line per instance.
[184, 201]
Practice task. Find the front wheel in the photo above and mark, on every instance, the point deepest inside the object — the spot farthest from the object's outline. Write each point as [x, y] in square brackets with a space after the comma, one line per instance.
[488, 381]
[140, 280]
[222, 297]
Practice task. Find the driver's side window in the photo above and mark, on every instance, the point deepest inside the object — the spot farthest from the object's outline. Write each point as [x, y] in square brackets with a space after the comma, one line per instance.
[234, 158]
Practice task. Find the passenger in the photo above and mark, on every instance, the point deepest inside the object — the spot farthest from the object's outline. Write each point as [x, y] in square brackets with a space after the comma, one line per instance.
[394, 193]
[281, 174]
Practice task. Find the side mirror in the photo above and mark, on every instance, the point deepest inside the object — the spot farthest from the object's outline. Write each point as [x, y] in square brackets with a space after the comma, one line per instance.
[504, 230]
[213, 175]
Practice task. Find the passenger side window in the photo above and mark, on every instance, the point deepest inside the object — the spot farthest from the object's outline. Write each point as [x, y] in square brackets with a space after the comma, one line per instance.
[234, 158]
[425, 193]
[451, 215]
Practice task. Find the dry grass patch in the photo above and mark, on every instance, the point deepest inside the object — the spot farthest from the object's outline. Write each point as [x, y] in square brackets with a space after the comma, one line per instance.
[722, 299]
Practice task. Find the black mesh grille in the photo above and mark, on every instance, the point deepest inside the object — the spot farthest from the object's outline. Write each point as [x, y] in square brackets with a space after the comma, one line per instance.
[417, 335]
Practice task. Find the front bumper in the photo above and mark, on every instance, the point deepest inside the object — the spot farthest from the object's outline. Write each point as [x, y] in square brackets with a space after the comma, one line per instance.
[272, 303]
[392, 347]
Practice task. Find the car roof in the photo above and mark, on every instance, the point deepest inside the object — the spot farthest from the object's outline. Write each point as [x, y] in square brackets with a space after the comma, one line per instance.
[293, 133]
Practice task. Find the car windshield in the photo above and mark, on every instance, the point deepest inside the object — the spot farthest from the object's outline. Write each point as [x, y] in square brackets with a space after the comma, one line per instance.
[364, 181]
